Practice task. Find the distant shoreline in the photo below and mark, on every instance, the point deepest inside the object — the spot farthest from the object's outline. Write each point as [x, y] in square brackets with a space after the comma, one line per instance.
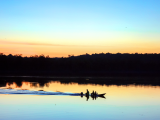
[95, 65]
[84, 65]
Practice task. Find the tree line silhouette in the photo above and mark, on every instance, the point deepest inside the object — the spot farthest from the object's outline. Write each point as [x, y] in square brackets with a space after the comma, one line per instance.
[100, 64]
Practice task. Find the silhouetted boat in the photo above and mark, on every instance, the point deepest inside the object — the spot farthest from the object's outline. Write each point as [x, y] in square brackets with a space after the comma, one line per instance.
[98, 95]
[101, 95]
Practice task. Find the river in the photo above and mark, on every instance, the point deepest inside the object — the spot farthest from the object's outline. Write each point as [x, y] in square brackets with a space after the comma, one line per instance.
[121, 102]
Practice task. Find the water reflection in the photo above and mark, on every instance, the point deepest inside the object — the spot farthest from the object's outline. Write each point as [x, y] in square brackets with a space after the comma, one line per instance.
[125, 102]
[57, 86]
[127, 81]
[129, 92]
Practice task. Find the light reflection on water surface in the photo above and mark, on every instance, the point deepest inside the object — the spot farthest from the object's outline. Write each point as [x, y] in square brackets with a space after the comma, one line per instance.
[122, 102]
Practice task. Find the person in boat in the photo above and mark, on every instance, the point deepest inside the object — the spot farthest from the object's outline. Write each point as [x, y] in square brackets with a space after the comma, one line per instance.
[81, 94]
[95, 93]
[87, 94]
[92, 94]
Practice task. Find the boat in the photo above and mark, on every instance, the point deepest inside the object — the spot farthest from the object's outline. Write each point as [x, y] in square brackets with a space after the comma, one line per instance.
[98, 95]
[101, 95]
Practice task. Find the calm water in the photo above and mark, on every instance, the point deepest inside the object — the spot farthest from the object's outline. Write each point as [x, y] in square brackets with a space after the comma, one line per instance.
[122, 102]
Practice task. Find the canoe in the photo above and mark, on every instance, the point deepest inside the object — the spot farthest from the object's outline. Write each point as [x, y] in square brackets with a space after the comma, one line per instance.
[101, 94]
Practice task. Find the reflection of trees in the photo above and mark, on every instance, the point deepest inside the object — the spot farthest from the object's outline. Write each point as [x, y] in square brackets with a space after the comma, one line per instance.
[45, 82]
[34, 84]
[17, 83]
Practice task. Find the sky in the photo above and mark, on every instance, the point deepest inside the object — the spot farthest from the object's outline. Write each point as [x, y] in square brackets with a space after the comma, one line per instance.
[59, 28]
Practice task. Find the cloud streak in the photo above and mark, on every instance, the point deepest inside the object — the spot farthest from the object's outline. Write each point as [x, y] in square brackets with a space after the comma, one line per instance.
[46, 44]
[30, 43]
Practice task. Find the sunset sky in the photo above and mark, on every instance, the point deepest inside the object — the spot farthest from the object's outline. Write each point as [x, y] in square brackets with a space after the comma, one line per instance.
[61, 27]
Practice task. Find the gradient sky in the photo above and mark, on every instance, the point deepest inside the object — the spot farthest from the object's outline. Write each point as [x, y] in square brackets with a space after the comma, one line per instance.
[61, 27]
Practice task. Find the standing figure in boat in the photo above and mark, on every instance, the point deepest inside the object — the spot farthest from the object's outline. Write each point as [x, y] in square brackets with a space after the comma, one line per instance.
[87, 93]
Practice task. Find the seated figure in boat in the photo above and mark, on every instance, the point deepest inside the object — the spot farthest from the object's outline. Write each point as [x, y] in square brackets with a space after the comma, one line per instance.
[95, 93]
[92, 94]
[81, 94]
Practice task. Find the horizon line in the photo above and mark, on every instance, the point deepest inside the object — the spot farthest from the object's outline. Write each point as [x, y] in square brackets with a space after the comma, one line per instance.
[72, 55]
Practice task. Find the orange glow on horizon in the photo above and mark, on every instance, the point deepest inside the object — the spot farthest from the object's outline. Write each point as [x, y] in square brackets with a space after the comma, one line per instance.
[71, 51]
[63, 49]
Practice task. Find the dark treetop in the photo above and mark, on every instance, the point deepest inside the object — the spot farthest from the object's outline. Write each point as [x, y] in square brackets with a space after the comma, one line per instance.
[83, 65]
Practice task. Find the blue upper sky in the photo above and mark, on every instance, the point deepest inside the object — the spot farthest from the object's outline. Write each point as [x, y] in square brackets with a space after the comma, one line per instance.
[97, 15]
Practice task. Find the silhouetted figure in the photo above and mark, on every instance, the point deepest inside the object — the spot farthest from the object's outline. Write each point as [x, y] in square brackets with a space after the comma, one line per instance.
[92, 93]
[87, 94]
[81, 94]
[95, 93]
[93, 96]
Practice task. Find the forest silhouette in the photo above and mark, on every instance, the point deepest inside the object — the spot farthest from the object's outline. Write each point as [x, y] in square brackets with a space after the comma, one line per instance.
[83, 65]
